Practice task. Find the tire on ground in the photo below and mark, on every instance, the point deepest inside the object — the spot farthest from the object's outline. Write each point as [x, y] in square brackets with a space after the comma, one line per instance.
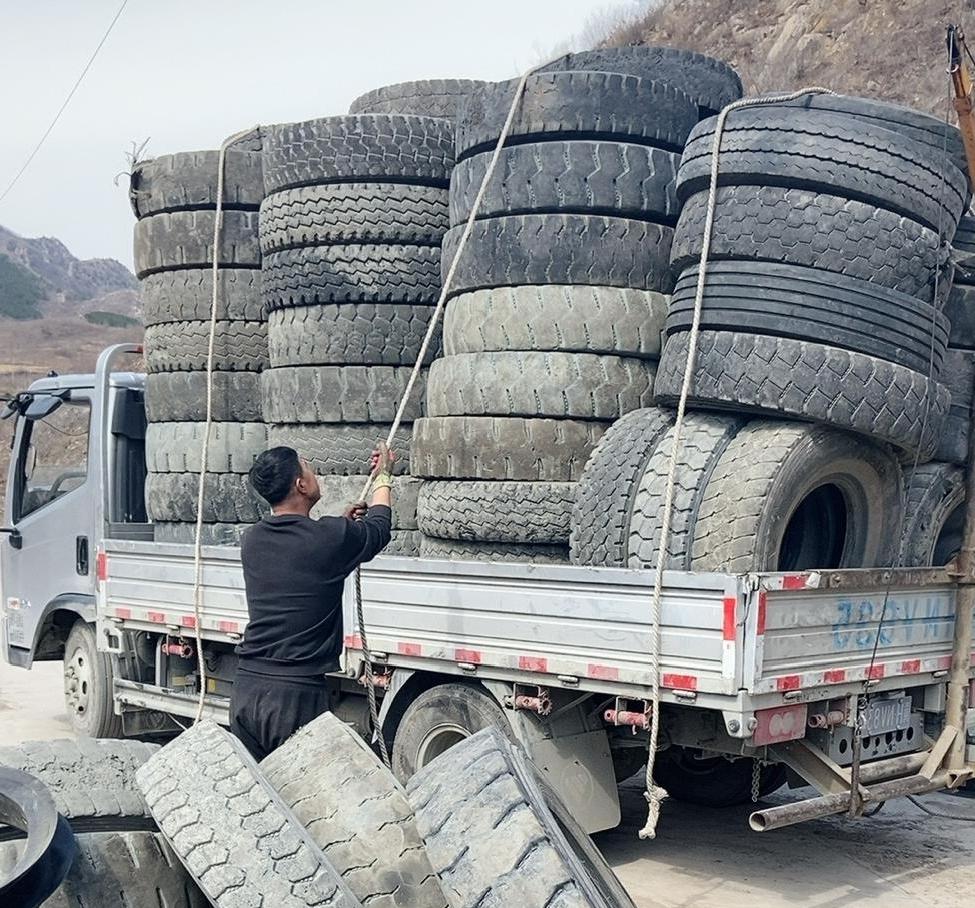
[338, 492]
[227, 498]
[934, 515]
[176, 447]
[88, 682]
[187, 295]
[343, 450]
[469, 550]
[185, 346]
[181, 397]
[184, 239]
[423, 98]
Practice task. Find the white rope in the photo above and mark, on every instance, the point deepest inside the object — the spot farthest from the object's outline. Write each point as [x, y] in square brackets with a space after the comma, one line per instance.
[654, 793]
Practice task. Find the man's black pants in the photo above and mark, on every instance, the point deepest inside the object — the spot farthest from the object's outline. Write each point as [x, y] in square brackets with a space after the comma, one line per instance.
[266, 710]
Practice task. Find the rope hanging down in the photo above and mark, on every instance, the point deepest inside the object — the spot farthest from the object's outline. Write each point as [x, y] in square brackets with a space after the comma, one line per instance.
[654, 793]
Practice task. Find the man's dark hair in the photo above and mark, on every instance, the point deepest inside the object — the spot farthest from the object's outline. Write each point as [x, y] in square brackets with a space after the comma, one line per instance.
[274, 473]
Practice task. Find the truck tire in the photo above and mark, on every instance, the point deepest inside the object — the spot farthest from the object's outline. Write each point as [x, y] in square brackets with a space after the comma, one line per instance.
[181, 397]
[176, 447]
[342, 450]
[958, 373]
[338, 492]
[960, 310]
[185, 533]
[350, 149]
[795, 497]
[184, 239]
[187, 295]
[346, 213]
[204, 787]
[359, 273]
[356, 334]
[963, 250]
[711, 84]
[780, 376]
[185, 346]
[934, 508]
[496, 833]
[552, 318]
[618, 179]
[357, 813]
[802, 227]
[496, 511]
[501, 447]
[88, 682]
[712, 781]
[831, 153]
[557, 385]
[599, 106]
[560, 249]
[339, 394]
[600, 523]
[439, 718]
[404, 544]
[227, 498]
[424, 98]
[188, 180]
[503, 552]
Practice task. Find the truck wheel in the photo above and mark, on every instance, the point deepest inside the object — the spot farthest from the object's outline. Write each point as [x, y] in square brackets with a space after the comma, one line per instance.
[438, 719]
[88, 677]
[690, 776]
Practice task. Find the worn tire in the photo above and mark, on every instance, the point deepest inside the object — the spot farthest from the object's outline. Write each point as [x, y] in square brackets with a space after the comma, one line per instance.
[341, 450]
[960, 310]
[184, 346]
[349, 149]
[934, 515]
[203, 788]
[90, 708]
[963, 251]
[560, 249]
[184, 239]
[958, 374]
[502, 448]
[610, 320]
[185, 533]
[186, 296]
[366, 334]
[496, 511]
[784, 377]
[404, 544]
[504, 552]
[497, 835]
[577, 105]
[338, 492]
[794, 497]
[556, 385]
[423, 98]
[600, 522]
[339, 394]
[176, 447]
[572, 177]
[357, 813]
[181, 397]
[227, 498]
[346, 213]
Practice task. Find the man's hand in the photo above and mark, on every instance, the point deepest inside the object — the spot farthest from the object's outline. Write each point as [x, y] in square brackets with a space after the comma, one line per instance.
[381, 461]
[356, 511]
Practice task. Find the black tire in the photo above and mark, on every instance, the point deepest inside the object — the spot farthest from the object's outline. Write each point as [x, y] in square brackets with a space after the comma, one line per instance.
[934, 515]
[496, 833]
[600, 523]
[960, 310]
[556, 385]
[346, 213]
[577, 105]
[784, 377]
[404, 544]
[423, 98]
[339, 394]
[958, 374]
[496, 511]
[801, 227]
[338, 492]
[794, 497]
[188, 180]
[812, 305]
[184, 239]
[177, 447]
[203, 787]
[503, 552]
[560, 249]
[827, 152]
[551, 318]
[186, 296]
[184, 346]
[512, 448]
[360, 334]
[371, 147]
[574, 177]
[358, 273]
[696, 777]
[963, 251]
[711, 84]
[227, 498]
[88, 682]
[181, 397]
[185, 533]
[341, 449]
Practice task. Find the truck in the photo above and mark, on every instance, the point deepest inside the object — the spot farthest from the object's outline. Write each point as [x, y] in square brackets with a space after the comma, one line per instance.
[836, 679]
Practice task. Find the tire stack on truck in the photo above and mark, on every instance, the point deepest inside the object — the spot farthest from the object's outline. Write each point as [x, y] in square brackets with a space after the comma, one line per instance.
[351, 228]
[174, 199]
[822, 308]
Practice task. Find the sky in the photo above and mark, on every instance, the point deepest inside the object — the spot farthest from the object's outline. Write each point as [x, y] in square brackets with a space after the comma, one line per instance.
[185, 75]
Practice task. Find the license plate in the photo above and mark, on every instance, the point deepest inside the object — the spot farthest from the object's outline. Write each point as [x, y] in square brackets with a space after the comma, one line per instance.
[882, 716]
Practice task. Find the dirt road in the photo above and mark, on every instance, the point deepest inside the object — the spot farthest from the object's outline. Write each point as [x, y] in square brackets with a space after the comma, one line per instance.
[703, 858]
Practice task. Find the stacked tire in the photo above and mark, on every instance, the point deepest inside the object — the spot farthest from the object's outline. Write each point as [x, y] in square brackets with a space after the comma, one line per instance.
[174, 198]
[350, 231]
[442, 98]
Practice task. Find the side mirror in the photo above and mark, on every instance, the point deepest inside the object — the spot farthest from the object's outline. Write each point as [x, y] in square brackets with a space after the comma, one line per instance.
[42, 405]
[16, 539]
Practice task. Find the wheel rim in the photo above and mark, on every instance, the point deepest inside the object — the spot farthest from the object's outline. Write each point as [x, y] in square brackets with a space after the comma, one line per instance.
[77, 684]
[438, 741]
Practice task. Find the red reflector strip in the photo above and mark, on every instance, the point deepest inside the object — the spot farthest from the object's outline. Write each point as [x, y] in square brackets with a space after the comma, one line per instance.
[795, 581]
[101, 566]
[229, 627]
[157, 617]
[602, 672]
[911, 667]
[467, 655]
[188, 621]
[762, 607]
[834, 676]
[533, 664]
[787, 682]
[876, 671]
[353, 641]
[728, 628]
[679, 682]
[124, 613]
[408, 649]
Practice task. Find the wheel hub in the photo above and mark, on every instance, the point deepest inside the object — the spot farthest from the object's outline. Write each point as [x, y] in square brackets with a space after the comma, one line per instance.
[438, 741]
[77, 683]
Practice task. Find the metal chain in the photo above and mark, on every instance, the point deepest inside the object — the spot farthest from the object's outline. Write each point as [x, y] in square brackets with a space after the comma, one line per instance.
[756, 778]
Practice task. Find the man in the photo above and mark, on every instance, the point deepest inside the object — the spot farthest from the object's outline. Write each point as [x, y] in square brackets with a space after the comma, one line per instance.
[294, 569]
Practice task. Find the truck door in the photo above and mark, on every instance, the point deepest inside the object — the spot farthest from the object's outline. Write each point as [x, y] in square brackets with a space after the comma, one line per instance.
[48, 558]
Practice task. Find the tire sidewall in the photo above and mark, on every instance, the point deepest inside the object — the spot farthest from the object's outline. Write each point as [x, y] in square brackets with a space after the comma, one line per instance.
[99, 720]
